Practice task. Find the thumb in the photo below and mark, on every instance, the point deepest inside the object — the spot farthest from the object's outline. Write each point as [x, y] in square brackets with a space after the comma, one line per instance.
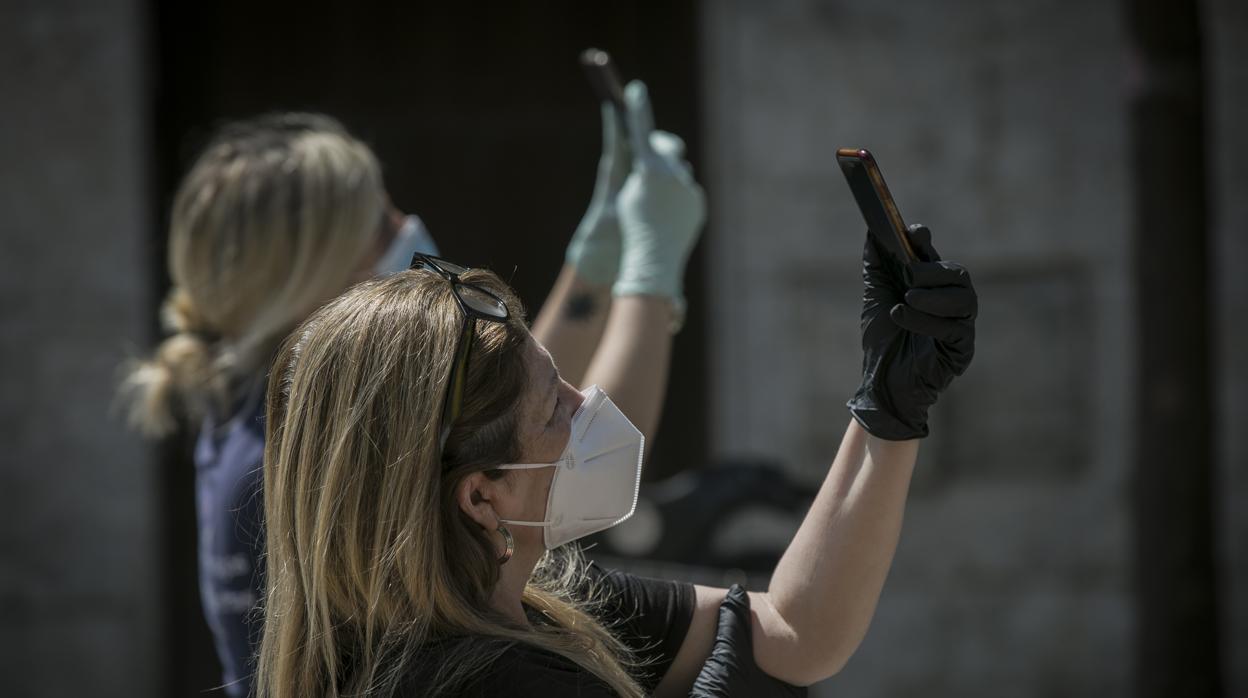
[670, 150]
[921, 238]
[734, 620]
[669, 146]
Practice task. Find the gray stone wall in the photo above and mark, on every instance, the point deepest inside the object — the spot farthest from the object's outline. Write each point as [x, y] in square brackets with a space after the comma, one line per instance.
[77, 548]
[1003, 126]
[1226, 24]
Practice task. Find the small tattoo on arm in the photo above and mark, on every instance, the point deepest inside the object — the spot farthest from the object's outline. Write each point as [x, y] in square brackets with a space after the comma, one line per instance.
[581, 307]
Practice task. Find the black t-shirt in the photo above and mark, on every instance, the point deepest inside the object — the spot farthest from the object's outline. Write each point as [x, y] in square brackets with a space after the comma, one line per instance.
[649, 616]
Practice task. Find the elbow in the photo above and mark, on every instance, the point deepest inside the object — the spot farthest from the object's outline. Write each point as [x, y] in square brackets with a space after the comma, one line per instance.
[830, 652]
[813, 664]
[804, 654]
[833, 664]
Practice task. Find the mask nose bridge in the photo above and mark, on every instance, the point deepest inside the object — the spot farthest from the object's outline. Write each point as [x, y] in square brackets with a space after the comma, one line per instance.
[586, 413]
[583, 427]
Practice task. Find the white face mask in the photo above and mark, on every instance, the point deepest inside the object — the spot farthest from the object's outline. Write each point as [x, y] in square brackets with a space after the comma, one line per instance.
[597, 477]
[413, 237]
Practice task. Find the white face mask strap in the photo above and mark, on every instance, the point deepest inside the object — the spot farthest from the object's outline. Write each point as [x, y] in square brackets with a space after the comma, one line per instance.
[513, 522]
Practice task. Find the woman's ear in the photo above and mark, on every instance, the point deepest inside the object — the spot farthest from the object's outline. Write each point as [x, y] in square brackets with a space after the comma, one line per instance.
[475, 494]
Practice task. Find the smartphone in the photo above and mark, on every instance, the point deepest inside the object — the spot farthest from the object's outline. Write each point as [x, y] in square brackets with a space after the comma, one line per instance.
[605, 81]
[875, 202]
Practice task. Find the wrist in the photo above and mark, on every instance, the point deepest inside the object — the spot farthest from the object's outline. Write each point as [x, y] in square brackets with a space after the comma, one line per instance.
[649, 270]
[592, 271]
[881, 419]
[673, 307]
[594, 253]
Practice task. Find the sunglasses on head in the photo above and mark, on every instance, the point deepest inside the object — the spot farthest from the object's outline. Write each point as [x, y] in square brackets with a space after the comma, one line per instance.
[476, 303]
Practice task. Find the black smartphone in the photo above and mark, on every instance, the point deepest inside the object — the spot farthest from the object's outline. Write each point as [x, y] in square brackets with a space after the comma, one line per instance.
[605, 81]
[875, 202]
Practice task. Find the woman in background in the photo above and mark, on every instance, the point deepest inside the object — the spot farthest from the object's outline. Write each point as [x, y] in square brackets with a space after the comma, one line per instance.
[279, 215]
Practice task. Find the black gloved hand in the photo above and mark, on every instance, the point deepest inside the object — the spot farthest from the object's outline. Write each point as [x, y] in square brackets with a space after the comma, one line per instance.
[730, 670]
[918, 333]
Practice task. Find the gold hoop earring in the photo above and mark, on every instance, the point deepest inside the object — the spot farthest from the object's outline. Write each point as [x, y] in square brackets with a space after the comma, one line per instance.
[508, 542]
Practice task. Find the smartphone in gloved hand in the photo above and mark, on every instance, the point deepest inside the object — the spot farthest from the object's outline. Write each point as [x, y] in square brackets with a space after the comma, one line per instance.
[605, 80]
[875, 202]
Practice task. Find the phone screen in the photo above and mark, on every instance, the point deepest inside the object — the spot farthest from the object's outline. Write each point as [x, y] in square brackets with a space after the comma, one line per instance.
[875, 202]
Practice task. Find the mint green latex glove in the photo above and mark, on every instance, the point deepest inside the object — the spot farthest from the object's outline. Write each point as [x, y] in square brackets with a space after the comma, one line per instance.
[661, 208]
[595, 247]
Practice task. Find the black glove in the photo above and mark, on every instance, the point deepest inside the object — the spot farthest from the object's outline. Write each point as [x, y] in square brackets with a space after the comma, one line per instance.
[918, 333]
[730, 670]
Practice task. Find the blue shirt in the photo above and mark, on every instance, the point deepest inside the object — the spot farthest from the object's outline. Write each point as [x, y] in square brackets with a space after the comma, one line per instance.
[229, 460]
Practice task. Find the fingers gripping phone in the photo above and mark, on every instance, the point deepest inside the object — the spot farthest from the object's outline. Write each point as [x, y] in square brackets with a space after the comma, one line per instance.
[875, 202]
[605, 81]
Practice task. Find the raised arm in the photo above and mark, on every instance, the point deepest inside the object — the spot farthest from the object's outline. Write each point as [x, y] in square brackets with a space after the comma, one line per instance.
[917, 337]
[824, 591]
[660, 210]
[571, 322]
[572, 319]
[658, 215]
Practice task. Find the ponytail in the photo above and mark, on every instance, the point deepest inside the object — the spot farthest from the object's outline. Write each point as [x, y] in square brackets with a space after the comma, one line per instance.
[272, 221]
[184, 380]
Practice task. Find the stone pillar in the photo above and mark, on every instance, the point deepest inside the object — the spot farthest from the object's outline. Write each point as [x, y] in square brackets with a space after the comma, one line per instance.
[78, 570]
[1225, 23]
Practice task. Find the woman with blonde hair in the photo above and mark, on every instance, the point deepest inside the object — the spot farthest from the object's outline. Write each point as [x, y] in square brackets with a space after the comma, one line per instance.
[427, 462]
[277, 216]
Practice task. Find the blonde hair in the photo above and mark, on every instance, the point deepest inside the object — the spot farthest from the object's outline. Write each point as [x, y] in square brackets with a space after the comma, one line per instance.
[370, 558]
[272, 220]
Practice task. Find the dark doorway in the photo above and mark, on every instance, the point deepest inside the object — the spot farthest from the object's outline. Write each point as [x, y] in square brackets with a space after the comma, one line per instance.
[485, 126]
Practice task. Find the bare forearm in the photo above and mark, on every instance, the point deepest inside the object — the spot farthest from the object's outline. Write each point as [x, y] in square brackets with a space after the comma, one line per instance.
[632, 359]
[825, 588]
[571, 323]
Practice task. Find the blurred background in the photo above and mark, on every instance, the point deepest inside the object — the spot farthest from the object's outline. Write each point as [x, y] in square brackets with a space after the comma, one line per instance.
[1077, 523]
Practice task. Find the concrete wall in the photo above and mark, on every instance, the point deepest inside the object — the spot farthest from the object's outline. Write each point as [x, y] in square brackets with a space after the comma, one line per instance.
[1226, 24]
[77, 568]
[1003, 127]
